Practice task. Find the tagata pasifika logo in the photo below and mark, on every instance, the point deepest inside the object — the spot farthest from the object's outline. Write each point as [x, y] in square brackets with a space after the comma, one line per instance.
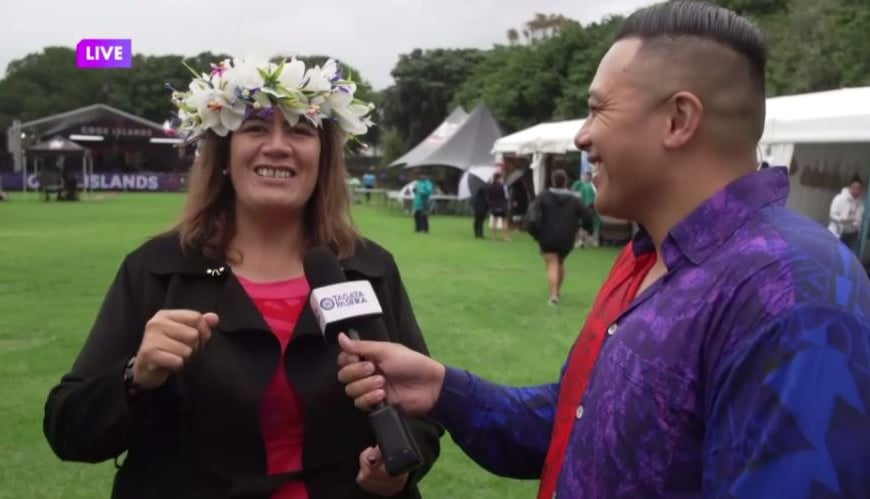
[98, 53]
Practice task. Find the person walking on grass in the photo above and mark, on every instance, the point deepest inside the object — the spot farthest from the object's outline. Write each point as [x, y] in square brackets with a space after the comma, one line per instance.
[561, 215]
[586, 189]
[423, 190]
[480, 207]
[498, 208]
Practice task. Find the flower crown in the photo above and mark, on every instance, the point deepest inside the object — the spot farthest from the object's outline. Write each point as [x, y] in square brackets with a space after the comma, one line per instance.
[238, 89]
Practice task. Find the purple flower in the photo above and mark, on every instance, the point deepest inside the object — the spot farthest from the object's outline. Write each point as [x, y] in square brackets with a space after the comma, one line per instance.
[266, 113]
[338, 72]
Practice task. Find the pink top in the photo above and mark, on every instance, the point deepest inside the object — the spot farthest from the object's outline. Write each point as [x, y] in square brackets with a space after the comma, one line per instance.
[281, 303]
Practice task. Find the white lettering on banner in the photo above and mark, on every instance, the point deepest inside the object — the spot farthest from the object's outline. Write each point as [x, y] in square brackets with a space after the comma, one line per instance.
[97, 181]
[344, 300]
[130, 182]
[116, 131]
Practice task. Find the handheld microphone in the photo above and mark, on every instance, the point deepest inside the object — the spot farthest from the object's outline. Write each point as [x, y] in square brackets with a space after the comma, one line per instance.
[353, 307]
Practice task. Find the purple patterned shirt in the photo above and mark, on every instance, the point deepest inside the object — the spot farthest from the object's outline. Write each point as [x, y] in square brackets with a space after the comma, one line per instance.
[744, 372]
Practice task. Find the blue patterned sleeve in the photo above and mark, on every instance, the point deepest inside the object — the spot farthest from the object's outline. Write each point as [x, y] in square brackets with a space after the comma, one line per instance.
[790, 410]
[505, 430]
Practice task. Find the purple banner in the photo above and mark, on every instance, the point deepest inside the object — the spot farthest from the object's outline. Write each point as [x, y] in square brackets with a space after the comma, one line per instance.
[107, 181]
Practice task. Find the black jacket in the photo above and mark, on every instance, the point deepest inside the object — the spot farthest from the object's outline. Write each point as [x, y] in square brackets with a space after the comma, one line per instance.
[199, 436]
[562, 214]
[496, 197]
[479, 201]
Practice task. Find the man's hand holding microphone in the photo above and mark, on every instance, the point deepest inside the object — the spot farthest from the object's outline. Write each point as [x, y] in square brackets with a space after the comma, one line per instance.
[377, 371]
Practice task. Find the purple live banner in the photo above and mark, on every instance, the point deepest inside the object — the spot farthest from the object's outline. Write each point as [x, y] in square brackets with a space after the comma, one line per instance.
[95, 53]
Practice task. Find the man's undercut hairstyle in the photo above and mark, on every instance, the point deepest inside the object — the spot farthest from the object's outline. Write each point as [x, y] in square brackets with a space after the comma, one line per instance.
[711, 51]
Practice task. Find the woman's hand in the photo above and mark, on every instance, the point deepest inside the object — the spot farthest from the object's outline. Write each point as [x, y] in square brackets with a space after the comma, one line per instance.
[171, 337]
[373, 477]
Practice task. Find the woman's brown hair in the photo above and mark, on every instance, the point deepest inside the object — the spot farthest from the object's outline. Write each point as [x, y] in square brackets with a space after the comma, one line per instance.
[208, 220]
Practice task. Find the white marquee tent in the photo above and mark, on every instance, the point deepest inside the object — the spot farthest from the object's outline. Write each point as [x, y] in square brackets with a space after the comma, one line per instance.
[823, 137]
[544, 138]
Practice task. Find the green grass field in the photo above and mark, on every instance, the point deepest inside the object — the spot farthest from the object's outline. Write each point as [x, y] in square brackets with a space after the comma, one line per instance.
[481, 304]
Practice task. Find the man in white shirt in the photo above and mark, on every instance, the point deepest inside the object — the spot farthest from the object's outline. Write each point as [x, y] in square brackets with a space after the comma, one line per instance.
[847, 212]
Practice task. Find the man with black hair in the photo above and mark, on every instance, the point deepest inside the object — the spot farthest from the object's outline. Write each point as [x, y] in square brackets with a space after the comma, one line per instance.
[847, 213]
[728, 351]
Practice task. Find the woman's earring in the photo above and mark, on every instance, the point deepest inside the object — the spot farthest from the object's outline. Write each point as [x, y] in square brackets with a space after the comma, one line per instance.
[224, 172]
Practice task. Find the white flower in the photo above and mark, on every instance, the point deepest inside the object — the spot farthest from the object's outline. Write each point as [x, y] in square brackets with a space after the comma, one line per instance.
[320, 79]
[292, 74]
[350, 114]
[242, 74]
[219, 101]
[290, 114]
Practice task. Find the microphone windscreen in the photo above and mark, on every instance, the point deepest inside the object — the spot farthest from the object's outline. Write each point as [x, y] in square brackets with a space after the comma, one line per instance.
[321, 268]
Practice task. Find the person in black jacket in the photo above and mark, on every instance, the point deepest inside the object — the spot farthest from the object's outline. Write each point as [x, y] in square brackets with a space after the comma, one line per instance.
[561, 214]
[205, 364]
[480, 206]
[519, 201]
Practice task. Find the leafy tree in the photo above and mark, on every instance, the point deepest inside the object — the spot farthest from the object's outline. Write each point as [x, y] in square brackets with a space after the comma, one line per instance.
[425, 83]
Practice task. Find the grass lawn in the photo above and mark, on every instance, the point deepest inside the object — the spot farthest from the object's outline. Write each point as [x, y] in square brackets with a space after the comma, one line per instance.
[481, 304]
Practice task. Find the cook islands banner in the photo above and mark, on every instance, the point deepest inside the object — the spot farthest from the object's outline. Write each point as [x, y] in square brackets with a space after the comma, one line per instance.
[107, 181]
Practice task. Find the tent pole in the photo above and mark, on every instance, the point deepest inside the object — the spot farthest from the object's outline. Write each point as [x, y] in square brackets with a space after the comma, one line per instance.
[865, 226]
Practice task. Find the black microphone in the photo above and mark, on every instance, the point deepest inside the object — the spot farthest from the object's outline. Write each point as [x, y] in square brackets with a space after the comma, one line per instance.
[353, 307]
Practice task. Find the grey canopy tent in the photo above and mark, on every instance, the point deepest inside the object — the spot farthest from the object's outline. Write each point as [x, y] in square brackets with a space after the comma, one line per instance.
[458, 144]
[434, 140]
[57, 148]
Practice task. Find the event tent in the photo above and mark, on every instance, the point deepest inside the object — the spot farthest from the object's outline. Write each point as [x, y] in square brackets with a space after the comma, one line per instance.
[57, 149]
[474, 178]
[434, 140]
[547, 138]
[457, 143]
[823, 137]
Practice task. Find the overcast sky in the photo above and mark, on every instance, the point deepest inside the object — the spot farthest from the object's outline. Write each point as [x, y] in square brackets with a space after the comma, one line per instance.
[369, 34]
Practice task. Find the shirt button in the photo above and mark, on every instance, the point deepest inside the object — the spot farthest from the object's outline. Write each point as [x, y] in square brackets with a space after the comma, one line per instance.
[612, 329]
[579, 412]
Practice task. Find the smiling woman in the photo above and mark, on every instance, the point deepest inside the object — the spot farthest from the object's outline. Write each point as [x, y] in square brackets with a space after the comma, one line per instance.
[270, 169]
[218, 383]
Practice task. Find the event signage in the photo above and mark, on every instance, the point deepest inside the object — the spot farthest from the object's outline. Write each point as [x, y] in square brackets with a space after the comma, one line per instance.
[107, 181]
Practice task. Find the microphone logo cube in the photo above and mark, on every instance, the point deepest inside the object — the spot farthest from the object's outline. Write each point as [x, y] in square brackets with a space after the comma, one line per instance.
[339, 302]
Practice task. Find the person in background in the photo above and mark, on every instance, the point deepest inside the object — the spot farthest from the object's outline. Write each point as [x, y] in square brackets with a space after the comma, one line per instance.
[205, 363]
[562, 214]
[480, 207]
[586, 189]
[847, 213]
[519, 201]
[423, 190]
[369, 181]
[496, 198]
